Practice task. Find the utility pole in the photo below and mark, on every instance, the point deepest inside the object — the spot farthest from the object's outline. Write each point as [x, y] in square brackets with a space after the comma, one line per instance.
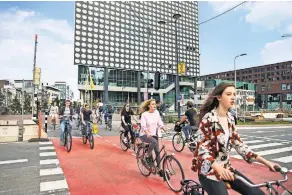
[35, 90]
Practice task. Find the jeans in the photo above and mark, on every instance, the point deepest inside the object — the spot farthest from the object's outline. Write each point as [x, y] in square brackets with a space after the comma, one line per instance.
[87, 127]
[63, 125]
[153, 144]
[127, 129]
[186, 129]
[219, 188]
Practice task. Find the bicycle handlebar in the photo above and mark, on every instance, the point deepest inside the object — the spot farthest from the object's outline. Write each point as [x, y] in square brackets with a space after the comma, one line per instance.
[282, 170]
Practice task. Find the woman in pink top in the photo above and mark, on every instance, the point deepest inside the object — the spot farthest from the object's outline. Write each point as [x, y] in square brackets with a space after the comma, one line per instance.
[151, 124]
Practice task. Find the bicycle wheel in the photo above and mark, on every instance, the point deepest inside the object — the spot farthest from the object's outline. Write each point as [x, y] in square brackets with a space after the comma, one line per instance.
[91, 141]
[137, 143]
[143, 168]
[110, 125]
[68, 141]
[286, 193]
[178, 142]
[173, 177]
[123, 145]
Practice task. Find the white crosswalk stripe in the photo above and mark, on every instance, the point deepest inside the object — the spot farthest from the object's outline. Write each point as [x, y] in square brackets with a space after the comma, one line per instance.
[277, 151]
[52, 176]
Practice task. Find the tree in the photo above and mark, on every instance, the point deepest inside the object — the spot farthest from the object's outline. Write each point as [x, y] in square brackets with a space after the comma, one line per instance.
[57, 101]
[15, 106]
[2, 99]
[27, 103]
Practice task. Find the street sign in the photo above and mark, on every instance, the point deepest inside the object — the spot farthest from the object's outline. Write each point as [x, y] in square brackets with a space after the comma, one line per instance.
[179, 97]
[183, 98]
[181, 68]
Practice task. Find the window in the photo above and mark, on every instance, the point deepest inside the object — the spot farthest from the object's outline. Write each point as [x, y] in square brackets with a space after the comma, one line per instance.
[284, 86]
[288, 87]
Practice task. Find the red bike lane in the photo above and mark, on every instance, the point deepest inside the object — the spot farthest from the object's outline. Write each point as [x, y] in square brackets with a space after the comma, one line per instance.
[108, 170]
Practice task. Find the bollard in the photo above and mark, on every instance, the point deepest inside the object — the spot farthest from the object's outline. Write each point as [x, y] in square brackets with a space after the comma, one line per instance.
[40, 123]
[46, 122]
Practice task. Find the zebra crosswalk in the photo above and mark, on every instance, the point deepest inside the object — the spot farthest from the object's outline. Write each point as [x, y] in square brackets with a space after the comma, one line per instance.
[278, 151]
[274, 150]
[51, 174]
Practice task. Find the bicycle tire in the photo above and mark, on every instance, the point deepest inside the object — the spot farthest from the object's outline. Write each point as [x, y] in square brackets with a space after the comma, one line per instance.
[91, 141]
[140, 163]
[181, 139]
[122, 143]
[286, 193]
[84, 139]
[68, 142]
[167, 173]
[137, 143]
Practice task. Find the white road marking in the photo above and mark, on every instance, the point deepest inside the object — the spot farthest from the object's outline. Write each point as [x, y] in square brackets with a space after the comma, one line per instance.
[54, 171]
[265, 145]
[47, 148]
[49, 161]
[13, 161]
[48, 154]
[268, 152]
[268, 131]
[45, 143]
[253, 141]
[53, 185]
[286, 159]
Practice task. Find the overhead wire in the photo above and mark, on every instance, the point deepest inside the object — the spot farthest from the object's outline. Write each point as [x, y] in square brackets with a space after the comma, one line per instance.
[223, 13]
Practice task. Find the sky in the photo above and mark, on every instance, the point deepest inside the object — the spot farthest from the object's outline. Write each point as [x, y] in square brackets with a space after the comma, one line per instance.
[255, 28]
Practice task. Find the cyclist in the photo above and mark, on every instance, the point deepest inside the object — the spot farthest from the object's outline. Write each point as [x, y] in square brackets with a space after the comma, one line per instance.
[108, 113]
[217, 136]
[54, 112]
[126, 122]
[66, 113]
[151, 124]
[190, 114]
[85, 117]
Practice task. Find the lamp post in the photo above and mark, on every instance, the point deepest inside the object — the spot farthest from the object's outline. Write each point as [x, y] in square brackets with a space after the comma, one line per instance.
[177, 89]
[244, 54]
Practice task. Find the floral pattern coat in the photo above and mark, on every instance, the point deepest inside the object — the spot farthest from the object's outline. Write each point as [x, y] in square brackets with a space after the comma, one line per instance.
[211, 146]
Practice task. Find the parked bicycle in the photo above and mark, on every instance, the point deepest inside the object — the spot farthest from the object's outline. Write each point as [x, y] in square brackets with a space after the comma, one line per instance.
[67, 136]
[125, 145]
[270, 184]
[88, 135]
[167, 161]
[179, 141]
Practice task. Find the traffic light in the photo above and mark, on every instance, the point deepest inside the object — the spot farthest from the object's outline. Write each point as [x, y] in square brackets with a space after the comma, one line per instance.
[150, 83]
[157, 81]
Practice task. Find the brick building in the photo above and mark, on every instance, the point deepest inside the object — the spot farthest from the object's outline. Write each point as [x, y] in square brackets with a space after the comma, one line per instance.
[273, 83]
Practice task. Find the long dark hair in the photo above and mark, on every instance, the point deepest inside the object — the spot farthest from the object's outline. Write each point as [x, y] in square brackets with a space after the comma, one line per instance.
[212, 101]
[124, 109]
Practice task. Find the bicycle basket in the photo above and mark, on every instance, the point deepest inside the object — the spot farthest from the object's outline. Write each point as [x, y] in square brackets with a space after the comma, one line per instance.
[177, 128]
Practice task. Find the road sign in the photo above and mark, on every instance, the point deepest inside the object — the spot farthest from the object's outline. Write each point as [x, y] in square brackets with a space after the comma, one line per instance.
[183, 98]
[181, 68]
[179, 97]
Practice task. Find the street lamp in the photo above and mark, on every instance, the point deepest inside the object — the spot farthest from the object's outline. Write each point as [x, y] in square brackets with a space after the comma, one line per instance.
[177, 90]
[244, 54]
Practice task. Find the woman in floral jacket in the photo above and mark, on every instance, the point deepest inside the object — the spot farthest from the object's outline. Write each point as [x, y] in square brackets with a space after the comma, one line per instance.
[217, 135]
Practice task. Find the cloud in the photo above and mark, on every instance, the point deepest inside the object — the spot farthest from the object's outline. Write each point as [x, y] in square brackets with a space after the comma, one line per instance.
[277, 51]
[54, 49]
[271, 15]
[222, 6]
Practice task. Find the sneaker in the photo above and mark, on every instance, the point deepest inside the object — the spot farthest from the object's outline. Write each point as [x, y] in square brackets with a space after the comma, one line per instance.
[149, 160]
[125, 140]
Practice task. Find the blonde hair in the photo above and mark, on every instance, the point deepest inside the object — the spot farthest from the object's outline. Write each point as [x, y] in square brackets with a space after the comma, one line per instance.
[145, 106]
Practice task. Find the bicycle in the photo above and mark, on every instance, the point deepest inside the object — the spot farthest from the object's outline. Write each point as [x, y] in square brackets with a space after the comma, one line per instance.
[269, 184]
[165, 160]
[67, 136]
[178, 138]
[109, 122]
[88, 135]
[127, 145]
[191, 187]
[99, 119]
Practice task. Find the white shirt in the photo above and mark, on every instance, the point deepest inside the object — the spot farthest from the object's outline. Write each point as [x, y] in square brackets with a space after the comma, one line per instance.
[151, 122]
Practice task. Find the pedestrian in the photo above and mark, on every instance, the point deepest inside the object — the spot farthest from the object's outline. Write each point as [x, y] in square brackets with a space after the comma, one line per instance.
[217, 136]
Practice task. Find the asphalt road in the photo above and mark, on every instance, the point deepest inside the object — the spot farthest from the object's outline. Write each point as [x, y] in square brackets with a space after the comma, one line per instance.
[19, 168]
